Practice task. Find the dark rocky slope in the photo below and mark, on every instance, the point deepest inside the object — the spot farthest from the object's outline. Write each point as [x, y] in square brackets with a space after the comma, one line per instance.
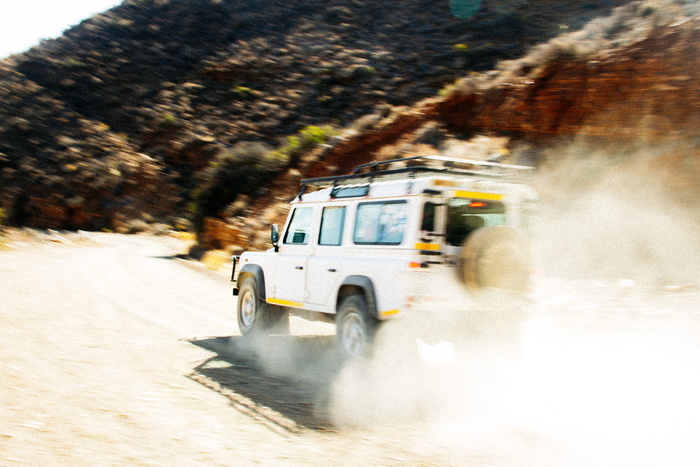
[115, 122]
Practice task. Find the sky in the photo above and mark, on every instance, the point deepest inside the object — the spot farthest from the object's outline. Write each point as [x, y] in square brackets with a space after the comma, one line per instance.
[23, 23]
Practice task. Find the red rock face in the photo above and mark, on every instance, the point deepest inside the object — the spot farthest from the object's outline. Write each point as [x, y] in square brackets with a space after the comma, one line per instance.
[650, 88]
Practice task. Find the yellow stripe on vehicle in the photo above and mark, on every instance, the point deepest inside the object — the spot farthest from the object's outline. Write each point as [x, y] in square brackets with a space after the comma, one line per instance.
[277, 301]
[389, 313]
[428, 246]
[478, 195]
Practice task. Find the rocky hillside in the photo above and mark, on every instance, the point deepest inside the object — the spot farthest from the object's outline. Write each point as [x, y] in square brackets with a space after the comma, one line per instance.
[630, 79]
[625, 88]
[172, 112]
[118, 122]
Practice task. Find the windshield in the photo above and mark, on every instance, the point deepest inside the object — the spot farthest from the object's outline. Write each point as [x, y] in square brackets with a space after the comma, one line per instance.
[466, 215]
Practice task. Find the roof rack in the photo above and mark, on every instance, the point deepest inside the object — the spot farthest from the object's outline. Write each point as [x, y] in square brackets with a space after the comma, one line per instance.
[411, 167]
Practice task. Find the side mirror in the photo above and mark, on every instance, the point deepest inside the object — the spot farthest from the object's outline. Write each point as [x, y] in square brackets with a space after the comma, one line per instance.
[275, 236]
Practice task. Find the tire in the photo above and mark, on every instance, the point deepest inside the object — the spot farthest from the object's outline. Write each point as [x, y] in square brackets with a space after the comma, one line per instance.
[495, 258]
[257, 317]
[355, 328]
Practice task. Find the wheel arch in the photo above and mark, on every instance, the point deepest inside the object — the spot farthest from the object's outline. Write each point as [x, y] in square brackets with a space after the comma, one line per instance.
[256, 272]
[358, 285]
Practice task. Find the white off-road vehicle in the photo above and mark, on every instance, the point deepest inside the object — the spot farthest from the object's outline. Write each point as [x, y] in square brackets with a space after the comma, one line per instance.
[367, 247]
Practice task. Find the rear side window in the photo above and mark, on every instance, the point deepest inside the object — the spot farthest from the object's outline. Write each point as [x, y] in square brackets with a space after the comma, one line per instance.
[380, 223]
[428, 221]
[464, 216]
[299, 229]
[332, 223]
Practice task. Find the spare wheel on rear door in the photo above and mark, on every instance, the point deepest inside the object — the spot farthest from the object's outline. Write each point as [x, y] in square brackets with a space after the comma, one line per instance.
[495, 257]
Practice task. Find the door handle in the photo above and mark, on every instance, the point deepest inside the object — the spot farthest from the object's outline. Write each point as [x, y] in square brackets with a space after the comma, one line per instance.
[331, 270]
[299, 268]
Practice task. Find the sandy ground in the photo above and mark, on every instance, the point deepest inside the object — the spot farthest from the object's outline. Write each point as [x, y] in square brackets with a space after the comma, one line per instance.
[114, 351]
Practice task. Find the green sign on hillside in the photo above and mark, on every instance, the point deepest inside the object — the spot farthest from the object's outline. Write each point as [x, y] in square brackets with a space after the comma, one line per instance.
[464, 9]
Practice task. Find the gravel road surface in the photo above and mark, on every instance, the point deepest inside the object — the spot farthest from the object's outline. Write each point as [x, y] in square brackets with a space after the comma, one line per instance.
[115, 351]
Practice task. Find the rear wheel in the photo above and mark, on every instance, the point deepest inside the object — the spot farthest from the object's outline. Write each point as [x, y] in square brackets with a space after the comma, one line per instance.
[355, 327]
[256, 316]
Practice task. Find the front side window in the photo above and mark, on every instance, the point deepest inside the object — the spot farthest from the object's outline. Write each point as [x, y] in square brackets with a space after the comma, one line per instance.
[332, 223]
[466, 215]
[380, 223]
[299, 229]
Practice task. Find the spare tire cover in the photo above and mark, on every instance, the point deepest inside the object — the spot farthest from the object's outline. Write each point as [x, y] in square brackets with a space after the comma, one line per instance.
[495, 257]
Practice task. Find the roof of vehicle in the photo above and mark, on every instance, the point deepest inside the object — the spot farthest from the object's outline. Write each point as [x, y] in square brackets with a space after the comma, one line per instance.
[423, 174]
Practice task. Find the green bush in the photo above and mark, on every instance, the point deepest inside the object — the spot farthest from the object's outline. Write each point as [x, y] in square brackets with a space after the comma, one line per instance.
[307, 139]
[241, 170]
[243, 91]
[247, 166]
[73, 64]
[168, 119]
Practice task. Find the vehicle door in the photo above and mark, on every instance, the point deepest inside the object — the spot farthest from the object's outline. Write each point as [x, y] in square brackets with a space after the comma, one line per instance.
[287, 284]
[326, 265]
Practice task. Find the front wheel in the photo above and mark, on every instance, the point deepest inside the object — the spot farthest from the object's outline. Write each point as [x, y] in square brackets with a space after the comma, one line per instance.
[257, 317]
[355, 327]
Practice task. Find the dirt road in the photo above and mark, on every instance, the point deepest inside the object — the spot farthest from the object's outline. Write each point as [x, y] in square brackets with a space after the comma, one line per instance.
[116, 352]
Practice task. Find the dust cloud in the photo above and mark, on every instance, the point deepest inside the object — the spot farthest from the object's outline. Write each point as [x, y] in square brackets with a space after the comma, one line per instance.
[300, 357]
[599, 367]
[617, 216]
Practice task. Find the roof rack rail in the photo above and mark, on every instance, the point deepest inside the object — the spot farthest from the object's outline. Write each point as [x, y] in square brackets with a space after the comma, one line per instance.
[421, 165]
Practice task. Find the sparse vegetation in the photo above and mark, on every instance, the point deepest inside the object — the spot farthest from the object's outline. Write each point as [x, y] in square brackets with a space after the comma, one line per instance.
[74, 64]
[168, 119]
[243, 92]
[298, 145]
[243, 169]
[246, 167]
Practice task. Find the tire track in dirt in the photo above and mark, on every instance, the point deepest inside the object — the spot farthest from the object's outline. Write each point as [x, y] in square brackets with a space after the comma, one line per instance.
[135, 282]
